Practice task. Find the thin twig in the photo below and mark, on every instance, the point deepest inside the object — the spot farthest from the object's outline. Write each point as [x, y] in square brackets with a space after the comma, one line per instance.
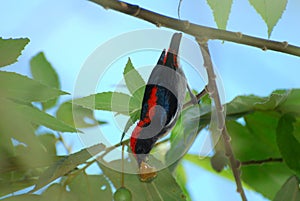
[178, 8]
[260, 162]
[162, 142]
[198, 30]
[109, 149]
[213, 92]
[198, 97]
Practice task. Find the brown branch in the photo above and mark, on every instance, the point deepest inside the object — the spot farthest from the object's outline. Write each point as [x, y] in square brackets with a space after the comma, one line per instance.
[198, 97]
[213, 92]
[198, 30]
[109, 149]
[260, 162]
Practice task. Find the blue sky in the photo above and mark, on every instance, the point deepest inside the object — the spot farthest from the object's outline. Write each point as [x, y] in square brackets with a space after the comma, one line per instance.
[69, 31]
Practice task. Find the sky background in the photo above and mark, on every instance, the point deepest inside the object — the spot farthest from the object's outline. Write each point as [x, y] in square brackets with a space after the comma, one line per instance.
[69, 31]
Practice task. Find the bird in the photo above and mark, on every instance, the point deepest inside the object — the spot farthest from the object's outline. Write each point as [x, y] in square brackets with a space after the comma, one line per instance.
[161, 106]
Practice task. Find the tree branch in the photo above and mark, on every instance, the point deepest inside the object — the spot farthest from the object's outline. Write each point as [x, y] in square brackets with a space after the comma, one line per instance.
[198, 30]
[260, 162]
[109, 149]
[198, 97]
[213, 92]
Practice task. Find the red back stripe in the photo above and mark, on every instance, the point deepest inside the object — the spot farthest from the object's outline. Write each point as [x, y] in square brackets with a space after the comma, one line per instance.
[137, 130]
[165, 58]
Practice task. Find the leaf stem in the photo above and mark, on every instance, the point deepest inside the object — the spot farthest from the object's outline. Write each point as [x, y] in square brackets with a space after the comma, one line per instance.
[196, 30]
[213, 92]
[122, 178]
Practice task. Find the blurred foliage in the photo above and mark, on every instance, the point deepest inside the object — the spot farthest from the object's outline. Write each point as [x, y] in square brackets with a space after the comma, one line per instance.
[261, 128]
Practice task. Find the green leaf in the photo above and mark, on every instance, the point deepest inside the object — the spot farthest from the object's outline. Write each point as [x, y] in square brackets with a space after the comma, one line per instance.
[14, 183]
[221, 11]
[6, 146]
[67, 164]
[23, 162]
[15, 124]
[291, 103]
[48, 141]
[135, 103]
[287, 143]
[43, 72]
[279, 100]
[270, 10]
[261, 133]
[58, 192]
[22, 170]
[297, 130]
[25, 197]
[42, 118]
[243, 105]
[276, 98]
[181, 179]
[184, 134]
[19, 163]
[206, 164]
[257, 141]
[205, 100]
[163, 187]
[290, 190]
[91, 187]
[34, 156]
[10, 50]
[266, 179]
[132, 119]
[22, 88]
[76, 116]
[109, 101]
[261, 178]
[133, 79]
[250, 141]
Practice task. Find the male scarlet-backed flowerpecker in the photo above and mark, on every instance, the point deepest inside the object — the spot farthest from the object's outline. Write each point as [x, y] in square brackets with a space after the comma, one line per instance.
[162, 103]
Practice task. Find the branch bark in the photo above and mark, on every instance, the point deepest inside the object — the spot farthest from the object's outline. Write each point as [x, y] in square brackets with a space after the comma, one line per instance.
[198, 30]
[214, 94]
[263, 161]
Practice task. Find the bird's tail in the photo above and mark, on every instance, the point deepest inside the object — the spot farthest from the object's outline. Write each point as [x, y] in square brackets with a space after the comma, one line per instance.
[175, 42]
